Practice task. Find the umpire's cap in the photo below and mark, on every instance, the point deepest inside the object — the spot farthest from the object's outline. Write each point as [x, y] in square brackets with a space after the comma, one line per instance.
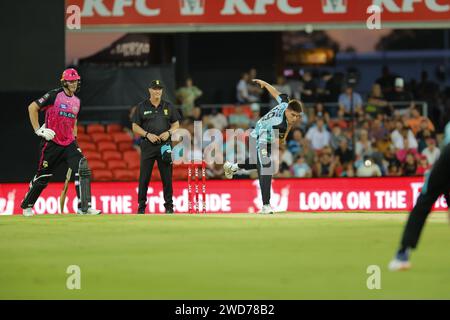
[156, 84]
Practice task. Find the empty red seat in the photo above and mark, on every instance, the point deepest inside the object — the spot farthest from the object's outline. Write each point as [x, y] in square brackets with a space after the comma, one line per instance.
[132, 158]
[123, 175]
[124, 146]
[81, 129]
[117, 164]
[106, 146]
[132, 154]
[96, 164]
[121, 137]
[98, 137]
[91, 155]
[111, 155]
[133, 163]
[228, 109]
[87, 146]
[102, 175]
[113, 127]
[82, 137]
[95, 127]
[135, 172]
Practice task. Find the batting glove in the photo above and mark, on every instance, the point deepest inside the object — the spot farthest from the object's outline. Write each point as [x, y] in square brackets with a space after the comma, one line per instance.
[47, 134]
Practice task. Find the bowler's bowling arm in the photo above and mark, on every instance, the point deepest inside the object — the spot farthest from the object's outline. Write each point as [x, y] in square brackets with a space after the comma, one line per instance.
[273, 92]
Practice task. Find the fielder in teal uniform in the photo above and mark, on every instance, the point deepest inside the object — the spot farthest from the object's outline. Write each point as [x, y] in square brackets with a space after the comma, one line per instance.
[437, 183]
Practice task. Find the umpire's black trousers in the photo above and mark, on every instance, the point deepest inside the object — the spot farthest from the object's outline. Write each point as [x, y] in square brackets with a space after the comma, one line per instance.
[436, 184]
[149, 154]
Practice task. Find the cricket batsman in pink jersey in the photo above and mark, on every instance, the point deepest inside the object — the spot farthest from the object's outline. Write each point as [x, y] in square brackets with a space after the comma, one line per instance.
[58, 144]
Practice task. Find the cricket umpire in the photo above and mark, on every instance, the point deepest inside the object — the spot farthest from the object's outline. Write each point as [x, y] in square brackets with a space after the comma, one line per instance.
[155, 120]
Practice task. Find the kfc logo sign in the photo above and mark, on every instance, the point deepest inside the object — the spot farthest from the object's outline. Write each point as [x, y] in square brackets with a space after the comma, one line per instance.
[97, 7]
[160, 8]
[409, 5]
[192, 7]
[208, 15]
[334, 6]
[232, 7]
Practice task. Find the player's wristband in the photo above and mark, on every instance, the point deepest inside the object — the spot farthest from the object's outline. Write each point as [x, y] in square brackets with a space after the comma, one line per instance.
[146, 134]
[170, 133]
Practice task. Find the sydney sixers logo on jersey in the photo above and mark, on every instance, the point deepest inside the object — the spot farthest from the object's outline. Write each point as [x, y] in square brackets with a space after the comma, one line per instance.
[67, 114]
[75, 109]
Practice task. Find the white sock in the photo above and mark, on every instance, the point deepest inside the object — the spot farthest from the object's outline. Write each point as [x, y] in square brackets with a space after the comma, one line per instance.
[234, 167]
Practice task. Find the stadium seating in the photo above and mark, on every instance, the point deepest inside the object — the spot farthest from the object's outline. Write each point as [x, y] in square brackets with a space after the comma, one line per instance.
[111, 155]
[121, 137]
[132, 158]
[117, 164]
[81, 129]
[114, 127]
[87, 146]
[229, 109]
[124, 146]
[133, 163]
[95, 128]
[103, 146]
[123, 175]
[135, 173]
[92, 155]
[99, 136]
[82, 137]
[102, 175]
[96, 164]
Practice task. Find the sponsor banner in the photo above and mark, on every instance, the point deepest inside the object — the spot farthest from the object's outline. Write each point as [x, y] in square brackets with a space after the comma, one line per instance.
[236, 196]
[123, 15]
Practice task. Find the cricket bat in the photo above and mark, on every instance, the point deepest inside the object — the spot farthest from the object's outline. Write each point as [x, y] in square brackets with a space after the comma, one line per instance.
[62, 199]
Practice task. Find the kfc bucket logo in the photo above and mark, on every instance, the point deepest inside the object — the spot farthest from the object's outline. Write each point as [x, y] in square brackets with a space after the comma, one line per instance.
[192, 7]
[334, 6]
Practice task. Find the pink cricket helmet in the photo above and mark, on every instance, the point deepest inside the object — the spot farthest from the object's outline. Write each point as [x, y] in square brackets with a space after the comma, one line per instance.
[70, 75]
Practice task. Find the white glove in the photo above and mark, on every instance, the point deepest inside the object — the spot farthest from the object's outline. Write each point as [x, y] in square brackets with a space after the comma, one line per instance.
[47, 134]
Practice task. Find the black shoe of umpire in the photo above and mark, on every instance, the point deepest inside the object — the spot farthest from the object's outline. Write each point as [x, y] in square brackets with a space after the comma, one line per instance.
[141, 211]
[169, 211]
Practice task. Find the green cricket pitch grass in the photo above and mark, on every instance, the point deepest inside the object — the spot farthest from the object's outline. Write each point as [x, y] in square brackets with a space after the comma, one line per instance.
[281, 256]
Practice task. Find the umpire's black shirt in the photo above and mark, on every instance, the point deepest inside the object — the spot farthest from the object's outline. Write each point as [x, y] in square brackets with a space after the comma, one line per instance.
[155, 120]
